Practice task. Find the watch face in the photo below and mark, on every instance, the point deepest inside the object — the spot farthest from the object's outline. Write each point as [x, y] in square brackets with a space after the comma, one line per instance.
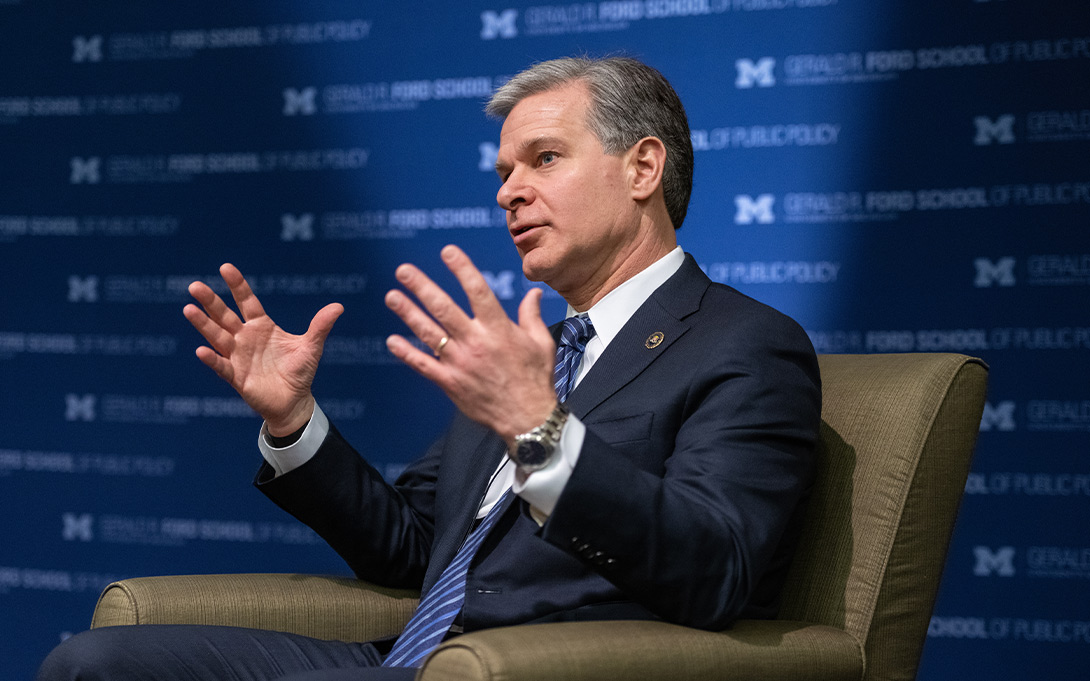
[532, 453]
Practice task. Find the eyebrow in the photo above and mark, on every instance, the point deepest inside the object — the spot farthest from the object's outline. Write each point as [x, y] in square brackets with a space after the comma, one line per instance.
[534, 142]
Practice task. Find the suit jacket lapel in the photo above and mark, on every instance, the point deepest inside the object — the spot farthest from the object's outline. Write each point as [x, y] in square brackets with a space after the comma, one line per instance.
[632, 351]
[655, 326]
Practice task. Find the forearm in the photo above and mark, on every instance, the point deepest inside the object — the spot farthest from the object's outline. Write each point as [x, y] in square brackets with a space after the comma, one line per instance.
[382, 531]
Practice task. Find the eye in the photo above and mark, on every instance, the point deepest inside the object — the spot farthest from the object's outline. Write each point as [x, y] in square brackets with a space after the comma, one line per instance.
[548, 157]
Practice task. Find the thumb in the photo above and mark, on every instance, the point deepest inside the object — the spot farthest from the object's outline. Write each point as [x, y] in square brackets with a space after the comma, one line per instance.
[323, 322]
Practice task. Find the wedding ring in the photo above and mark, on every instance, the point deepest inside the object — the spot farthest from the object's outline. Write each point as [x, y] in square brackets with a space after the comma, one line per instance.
[439, 348]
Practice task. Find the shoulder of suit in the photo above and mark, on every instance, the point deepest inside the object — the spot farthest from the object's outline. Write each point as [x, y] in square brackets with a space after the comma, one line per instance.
[743, 312]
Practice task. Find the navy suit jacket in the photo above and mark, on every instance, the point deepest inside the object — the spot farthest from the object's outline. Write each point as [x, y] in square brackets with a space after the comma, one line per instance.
[683, 505]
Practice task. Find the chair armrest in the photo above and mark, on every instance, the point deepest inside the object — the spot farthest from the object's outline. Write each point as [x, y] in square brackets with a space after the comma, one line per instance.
[752, 650]
[333, 608]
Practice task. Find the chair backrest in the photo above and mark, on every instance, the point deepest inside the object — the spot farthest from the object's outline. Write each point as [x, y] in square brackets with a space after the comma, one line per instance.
[897, 436]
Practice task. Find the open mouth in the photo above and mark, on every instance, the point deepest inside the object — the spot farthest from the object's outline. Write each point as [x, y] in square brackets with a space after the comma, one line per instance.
[519, 230]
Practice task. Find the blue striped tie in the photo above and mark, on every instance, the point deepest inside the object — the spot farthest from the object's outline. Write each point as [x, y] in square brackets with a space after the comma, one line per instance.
[440, 606]
[574, 335]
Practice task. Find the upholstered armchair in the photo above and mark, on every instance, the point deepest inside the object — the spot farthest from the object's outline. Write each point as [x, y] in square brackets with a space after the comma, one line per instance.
[897, 437]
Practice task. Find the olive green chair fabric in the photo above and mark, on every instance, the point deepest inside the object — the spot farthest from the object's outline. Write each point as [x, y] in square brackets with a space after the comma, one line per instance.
[897, 436]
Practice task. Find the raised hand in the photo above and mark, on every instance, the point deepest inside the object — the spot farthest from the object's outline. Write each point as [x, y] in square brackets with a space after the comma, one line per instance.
[496, 372]
[270, 368]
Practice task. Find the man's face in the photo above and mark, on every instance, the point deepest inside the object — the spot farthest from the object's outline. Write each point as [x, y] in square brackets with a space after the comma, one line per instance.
[568, 206]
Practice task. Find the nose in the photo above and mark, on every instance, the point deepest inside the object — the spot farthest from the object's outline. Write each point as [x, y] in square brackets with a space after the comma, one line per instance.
[514, 192]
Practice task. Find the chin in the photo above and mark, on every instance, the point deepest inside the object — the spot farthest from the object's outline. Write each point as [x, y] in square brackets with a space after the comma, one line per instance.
[534, 266]
[558, 271]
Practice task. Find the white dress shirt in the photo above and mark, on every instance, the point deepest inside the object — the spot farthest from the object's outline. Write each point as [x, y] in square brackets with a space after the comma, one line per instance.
[541, 488]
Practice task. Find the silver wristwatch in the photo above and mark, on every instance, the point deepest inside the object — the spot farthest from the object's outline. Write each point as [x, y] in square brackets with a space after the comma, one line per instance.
[534, 450]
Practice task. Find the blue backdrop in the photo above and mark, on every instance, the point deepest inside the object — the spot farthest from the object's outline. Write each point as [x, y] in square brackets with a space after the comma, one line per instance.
[897, 177]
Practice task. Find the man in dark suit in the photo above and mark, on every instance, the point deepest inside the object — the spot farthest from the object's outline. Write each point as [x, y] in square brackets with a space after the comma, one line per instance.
[666, 485]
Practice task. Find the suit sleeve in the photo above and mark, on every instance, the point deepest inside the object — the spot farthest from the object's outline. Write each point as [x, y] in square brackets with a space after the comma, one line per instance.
[737, 421]
[384, 532]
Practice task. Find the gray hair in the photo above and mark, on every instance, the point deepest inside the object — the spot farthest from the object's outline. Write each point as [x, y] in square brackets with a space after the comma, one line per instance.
[629, 101]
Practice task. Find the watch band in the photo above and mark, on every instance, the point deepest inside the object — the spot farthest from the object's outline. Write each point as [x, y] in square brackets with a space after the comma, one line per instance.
[534, 450]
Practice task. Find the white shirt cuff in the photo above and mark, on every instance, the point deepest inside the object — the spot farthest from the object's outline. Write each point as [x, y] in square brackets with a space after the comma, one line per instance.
[541, 489]
[285, 459]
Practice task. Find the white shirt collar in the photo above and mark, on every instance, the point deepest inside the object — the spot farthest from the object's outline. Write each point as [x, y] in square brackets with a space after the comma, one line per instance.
[614, 310]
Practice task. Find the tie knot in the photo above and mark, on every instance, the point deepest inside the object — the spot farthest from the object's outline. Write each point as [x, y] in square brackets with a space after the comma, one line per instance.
[574, 334]
[576, 331]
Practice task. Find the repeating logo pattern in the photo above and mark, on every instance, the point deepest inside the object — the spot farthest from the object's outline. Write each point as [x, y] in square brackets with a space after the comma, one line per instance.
[893, 185]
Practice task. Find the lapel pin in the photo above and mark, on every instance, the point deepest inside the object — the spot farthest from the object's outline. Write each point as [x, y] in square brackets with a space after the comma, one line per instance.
[654, 340]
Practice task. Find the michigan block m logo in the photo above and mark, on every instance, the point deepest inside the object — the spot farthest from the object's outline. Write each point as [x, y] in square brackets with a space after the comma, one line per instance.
[1000, 131]
[499, 24]
[85, 170]
[79, 407]
[502, 283]
[78, 527]
[1000, 272]
[999, 417]
[762, 73]
[87, 49]
[750, 210]
[999, 562]
[83, 289]
[299, 228]
[300, 102]
[489, 153]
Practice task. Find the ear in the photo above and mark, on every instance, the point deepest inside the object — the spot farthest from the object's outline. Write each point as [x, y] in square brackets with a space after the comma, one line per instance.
[647, 159]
